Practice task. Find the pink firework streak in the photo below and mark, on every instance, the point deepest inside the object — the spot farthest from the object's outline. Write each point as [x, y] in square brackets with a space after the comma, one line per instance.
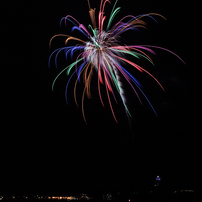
[103, 52]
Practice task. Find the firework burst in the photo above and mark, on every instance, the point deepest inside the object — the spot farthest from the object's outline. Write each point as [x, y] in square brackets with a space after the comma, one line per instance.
[103, 52]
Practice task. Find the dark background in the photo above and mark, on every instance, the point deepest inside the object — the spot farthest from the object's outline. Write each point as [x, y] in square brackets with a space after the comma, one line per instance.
[47, 148]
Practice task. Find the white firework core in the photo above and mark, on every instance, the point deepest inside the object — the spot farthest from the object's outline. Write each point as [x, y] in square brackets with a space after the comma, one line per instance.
[97, 50]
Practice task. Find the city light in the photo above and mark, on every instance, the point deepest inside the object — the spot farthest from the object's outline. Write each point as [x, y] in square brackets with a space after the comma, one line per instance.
[68, 198]
[158, 178]
[104, 197]
[55, 198]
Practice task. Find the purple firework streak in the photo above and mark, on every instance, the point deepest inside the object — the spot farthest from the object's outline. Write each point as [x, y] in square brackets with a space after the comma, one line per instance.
[102, 52]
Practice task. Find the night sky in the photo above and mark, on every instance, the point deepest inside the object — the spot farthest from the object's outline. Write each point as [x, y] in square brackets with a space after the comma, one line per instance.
[47, 148]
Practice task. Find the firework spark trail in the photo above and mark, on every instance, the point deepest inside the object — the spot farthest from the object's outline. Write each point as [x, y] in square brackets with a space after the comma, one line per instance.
[103, 52]
[122, 91]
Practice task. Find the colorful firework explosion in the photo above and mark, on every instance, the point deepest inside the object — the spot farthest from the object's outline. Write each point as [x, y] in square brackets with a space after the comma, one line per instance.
[103, 52]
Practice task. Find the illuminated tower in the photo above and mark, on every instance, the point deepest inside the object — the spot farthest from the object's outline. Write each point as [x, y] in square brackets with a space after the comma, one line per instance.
[158, 180]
